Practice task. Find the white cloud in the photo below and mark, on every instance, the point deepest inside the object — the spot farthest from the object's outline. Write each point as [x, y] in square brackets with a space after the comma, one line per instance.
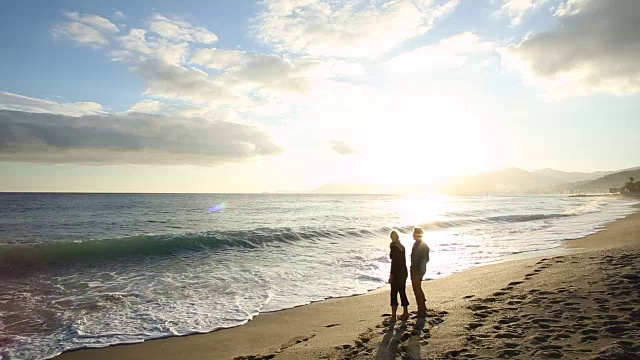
[162, 65]
[595, 48]
[571, 7]
[450, 52]
[179, 30]
[137, 47]
[172, 81]
[266, 84]
[135, 41]
[148, 107]
[263, 71]
[119, 15]
[97, 22]
[86, 29]
[128, 138]
[172, 53]
[255, 84]
[15, 102]
[516, 9]
[260, 83]
[81, 33]
[345, 29]
[256, 65]
[219, 58]
[342, 147]
[269, 71]
[171, 44]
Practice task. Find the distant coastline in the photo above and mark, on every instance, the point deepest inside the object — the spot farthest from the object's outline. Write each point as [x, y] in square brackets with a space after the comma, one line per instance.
[506, 182]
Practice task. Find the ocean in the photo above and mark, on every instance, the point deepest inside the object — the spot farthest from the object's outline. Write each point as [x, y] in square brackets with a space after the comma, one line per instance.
[91, 270]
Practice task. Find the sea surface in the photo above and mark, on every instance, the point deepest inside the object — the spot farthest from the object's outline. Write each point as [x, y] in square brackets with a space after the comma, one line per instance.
[91, 270]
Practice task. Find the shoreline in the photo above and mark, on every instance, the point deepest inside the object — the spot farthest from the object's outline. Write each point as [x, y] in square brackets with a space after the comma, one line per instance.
[316, 329]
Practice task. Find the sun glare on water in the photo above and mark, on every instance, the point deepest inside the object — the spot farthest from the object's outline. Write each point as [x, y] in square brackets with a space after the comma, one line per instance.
[419, 209]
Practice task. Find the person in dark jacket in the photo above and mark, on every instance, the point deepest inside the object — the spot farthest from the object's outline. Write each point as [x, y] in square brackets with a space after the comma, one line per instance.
[398, 277]
[419, 260]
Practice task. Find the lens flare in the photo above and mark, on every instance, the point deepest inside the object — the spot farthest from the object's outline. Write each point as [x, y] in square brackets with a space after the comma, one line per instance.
[217, 208]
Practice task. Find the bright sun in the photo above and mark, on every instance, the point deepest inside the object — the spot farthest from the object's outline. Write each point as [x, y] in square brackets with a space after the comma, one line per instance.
[415, 150]
[422, 208]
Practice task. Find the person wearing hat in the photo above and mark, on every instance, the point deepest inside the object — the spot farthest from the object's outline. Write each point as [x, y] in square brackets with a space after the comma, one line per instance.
[419, 260]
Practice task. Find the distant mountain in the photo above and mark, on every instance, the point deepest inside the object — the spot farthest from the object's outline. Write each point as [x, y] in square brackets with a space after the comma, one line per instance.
[506, 181]
[629, 169]
[567, 177]
[515, 181]
[604, 183]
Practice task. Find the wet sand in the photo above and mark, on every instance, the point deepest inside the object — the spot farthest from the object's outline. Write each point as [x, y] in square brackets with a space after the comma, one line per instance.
[582, 305]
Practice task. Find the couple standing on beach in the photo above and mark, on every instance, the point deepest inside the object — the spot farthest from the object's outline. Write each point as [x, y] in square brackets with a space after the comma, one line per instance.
[398, 275]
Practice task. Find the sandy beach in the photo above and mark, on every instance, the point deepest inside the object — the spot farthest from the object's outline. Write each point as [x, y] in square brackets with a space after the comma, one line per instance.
[580, 305]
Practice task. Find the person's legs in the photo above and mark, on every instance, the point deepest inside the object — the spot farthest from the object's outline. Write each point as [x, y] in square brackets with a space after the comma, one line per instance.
[394, 301]
[422, 306]
[416, 283]
[403, 300]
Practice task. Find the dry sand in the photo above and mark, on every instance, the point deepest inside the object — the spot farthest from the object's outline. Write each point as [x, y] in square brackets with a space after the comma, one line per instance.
[585, 305]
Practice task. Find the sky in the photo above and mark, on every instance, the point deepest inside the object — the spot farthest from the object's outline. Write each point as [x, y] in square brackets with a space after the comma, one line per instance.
[246, 96]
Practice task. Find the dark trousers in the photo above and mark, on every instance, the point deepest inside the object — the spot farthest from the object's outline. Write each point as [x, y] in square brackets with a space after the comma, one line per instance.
[416, 283]
[398, 286]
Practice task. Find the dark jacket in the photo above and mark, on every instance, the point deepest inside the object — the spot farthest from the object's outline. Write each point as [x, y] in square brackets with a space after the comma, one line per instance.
[419, 257]
[398, 261]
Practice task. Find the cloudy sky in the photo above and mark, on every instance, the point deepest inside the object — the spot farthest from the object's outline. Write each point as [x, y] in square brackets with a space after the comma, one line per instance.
[245, 96]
